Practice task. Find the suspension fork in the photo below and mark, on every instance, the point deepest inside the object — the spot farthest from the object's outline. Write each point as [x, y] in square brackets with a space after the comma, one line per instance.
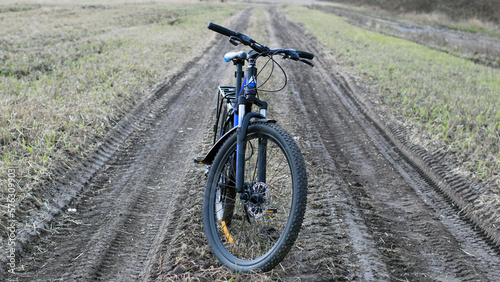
[245, 114]
[241, 149]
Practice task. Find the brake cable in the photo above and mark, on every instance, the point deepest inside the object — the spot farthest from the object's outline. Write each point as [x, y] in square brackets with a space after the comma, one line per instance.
[271, 58]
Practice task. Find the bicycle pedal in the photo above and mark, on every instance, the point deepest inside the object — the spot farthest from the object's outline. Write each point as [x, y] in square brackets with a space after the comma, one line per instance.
[272, 211]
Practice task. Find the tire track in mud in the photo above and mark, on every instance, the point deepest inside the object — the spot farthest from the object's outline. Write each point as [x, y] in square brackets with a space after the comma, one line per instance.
[187, 231]
[416, 233]
[127, 210]
[334, 239]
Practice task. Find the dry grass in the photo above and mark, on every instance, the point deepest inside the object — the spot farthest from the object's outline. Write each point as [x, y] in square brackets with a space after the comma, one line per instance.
[78, 67]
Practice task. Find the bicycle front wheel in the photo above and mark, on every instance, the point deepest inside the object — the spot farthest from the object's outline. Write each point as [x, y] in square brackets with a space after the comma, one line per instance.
[256, 231]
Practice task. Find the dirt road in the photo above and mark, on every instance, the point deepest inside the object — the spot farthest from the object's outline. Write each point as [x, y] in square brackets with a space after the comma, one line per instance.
[371, 215]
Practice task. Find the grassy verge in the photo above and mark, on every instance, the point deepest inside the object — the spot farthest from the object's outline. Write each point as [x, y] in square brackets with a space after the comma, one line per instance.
[77, 68]
[448, 102]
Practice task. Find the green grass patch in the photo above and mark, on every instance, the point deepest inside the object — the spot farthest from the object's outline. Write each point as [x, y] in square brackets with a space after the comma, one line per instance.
[473, 28]
[452, 102]
[78, 67]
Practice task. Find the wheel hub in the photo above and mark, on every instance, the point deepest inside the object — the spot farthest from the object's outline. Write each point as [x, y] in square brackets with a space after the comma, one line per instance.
[257, 203]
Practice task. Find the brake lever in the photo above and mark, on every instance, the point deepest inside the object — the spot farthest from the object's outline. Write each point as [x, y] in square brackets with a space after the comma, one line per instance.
[307, 62]
[286, 56]
[234, 40]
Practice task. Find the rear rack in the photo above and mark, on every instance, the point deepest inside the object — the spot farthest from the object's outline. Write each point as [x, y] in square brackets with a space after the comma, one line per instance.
[228, 92]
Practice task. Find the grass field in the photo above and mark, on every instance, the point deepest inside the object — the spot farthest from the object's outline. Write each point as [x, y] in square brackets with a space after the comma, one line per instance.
[447, 102]
[78, 67]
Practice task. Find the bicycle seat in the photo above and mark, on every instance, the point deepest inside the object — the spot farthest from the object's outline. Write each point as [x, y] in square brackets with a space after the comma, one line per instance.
[241, 55]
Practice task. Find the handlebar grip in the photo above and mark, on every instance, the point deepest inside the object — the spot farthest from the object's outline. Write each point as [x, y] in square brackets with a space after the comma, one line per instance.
[305, 55]
[220, 29]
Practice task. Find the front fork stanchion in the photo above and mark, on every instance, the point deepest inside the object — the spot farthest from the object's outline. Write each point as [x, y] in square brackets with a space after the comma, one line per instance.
[262, 160]
[240, 160]
[240, 150]
[240, 145]
[262, 151]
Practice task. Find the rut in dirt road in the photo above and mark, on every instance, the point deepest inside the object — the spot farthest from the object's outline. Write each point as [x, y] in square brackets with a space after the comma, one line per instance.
[124, 213]
[414, 232]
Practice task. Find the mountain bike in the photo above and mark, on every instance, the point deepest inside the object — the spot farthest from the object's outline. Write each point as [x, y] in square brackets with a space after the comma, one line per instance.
[255, 196]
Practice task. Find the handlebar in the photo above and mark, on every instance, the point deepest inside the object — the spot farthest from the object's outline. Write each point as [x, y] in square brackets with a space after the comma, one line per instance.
[236, 37]
[220, 29]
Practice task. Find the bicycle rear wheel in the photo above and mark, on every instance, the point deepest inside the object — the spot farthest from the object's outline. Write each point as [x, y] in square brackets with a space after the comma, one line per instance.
[258, 231]
[225, 195]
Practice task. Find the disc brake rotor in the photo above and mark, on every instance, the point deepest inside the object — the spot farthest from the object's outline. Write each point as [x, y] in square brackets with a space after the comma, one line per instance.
[258, 200]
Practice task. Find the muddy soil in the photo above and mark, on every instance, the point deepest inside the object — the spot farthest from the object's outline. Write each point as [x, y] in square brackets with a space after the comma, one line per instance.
[372, 214]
